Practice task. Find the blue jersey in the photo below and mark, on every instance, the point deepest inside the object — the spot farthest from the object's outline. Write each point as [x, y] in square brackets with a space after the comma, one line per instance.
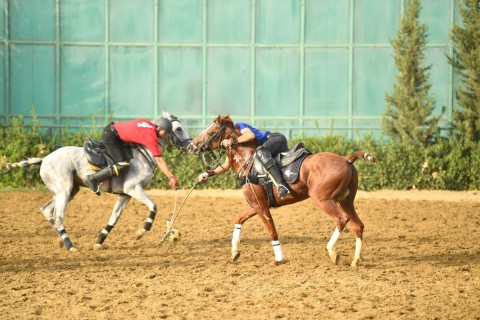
[261, 136]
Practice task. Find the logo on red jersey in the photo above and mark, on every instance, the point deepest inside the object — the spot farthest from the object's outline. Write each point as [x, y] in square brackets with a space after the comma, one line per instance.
[144, 125]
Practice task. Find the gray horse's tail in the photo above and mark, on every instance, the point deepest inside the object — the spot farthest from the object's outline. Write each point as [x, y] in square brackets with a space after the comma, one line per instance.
[24, 163]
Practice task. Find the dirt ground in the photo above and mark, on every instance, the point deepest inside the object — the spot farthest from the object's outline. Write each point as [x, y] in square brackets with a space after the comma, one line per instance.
[421, 260]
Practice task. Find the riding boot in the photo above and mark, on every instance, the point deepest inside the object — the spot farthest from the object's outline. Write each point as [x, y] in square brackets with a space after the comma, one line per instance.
[92, 180]
[279, 180]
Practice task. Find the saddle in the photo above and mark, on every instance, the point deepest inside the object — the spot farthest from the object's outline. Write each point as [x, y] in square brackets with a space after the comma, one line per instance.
[290, 163]
[97, 155]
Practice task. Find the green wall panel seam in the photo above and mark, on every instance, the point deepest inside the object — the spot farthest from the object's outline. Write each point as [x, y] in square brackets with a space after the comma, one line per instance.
[156, 73]
[302, 65]
[253, 13]
[107, 106]
[204, 63]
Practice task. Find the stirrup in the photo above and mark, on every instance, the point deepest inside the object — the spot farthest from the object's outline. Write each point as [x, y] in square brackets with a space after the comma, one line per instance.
[282, 191]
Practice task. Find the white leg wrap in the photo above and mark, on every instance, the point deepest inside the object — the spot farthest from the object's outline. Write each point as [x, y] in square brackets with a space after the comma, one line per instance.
[277, 249]
[237, 231]
[333, 239]
[358, 248]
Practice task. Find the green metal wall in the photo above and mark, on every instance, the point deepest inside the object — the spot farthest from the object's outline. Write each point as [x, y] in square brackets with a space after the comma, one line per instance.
[298, 66]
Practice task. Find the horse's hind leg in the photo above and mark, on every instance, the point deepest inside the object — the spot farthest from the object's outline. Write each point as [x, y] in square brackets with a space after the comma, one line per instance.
[237, 231]
[341, 219]
[60, 204]
[120, 205]
[357, 227]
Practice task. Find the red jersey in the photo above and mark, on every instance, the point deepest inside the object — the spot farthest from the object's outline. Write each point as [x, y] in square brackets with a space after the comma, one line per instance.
[140, 131]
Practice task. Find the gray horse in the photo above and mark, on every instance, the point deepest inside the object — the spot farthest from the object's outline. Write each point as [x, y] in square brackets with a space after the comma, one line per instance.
[63, 172]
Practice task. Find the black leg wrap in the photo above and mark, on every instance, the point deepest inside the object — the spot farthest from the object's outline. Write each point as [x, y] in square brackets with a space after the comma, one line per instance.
[149, 222]
[103, 234]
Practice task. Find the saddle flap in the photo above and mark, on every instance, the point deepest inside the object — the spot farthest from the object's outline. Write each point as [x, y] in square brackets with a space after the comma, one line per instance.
[96, 144]
[284, 159]
[95, 156]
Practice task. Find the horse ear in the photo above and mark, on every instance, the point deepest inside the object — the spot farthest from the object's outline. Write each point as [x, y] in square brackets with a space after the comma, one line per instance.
[166, 114]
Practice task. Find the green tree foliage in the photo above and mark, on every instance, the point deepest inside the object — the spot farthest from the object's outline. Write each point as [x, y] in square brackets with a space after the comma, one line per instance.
[408, 115]
[466, 62]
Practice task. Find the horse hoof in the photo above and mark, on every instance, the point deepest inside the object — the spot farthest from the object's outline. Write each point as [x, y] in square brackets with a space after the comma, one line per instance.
[235, 255]
[98, 246]
[354, 264]
[335, 258]
[141, 233]
[73, 249]
[276, 263]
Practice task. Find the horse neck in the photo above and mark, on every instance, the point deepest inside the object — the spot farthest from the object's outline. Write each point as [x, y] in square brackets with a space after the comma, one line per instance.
[241, 156]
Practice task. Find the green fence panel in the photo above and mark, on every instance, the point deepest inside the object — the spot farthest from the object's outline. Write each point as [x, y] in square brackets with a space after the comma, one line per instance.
[180, 80]
[327, 21]
[32, 20]
[82, 20]
[83, 81]
[436, 15]
[369, 91]
[278, 21]
[277, 83]
[131, 87]
[3, 96]
[229, 21]
[180, 21]
[131, 21]
[2, 19]
[302, 66]
[376, 21]
[326, 82]
[228, 79]
[32, 82]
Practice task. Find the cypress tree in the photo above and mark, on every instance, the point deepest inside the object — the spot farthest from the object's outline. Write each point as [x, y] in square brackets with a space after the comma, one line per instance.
[408, 115]
[466, 63]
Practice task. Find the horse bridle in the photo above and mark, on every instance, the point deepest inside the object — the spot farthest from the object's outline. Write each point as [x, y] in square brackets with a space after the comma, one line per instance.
[210, 140]
[175, 141]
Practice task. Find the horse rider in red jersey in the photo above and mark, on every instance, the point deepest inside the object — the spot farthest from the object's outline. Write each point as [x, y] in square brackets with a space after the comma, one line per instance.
[271, 143]
[139, 131]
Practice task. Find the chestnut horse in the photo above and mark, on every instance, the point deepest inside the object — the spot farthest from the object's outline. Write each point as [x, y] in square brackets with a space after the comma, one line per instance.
[330, 180]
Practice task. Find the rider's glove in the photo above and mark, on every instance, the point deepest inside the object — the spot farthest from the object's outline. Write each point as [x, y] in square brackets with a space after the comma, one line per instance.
[204, 176]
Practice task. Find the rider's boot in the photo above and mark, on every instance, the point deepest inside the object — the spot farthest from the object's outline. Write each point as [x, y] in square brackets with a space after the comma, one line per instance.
[92, 180]
[271, 166]
[279, 180]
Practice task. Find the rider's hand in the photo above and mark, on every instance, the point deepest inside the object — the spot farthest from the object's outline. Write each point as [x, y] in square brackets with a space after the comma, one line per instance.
[204, 176]
[226, 143]
[173, 181]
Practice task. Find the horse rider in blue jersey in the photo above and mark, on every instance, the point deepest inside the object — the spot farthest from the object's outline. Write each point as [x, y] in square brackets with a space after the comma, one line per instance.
[271, 143]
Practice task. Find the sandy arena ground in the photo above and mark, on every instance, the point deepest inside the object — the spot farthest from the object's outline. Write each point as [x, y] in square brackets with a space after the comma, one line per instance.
[421, 260]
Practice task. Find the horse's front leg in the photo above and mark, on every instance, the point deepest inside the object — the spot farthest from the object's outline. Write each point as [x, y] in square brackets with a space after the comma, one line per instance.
[267, 219]
[237, 232]
[139, 193]
[120, 205]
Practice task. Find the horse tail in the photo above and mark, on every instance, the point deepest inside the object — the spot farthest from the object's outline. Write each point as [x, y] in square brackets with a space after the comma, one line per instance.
[24, 163]
[360, 154]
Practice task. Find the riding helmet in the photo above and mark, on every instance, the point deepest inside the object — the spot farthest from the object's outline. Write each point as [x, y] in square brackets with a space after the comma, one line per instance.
[163, 123]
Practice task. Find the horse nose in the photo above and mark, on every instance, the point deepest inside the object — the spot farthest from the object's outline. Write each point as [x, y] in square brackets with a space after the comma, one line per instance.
[192, 148]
